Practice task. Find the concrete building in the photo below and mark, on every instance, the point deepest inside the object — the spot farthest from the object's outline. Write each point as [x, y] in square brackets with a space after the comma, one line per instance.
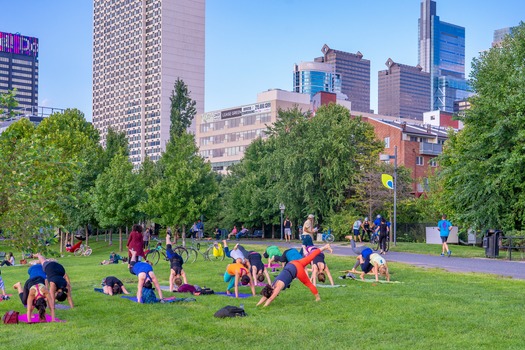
[140, 48]
[19, 69]
[312, 77]
[222, 136]
[500, 34]
[442, 54]
[403, 91]
[355, 76]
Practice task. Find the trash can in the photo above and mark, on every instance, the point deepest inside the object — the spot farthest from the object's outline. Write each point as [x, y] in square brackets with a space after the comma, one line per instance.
[491, 243]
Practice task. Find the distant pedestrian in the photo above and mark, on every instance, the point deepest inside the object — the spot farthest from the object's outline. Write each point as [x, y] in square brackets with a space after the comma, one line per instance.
[200, 229]
[136, 242]
[146, 237]
[444, 227]
[308, 231]
[384, 230]
[287, 230]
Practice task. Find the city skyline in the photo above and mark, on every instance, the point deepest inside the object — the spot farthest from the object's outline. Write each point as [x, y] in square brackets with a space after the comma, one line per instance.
[253, 46]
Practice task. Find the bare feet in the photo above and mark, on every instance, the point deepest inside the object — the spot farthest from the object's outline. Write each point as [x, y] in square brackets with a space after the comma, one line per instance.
[17, 286]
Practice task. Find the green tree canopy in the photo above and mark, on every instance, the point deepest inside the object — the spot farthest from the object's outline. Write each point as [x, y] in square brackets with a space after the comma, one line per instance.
[482, 183]
[182, 109]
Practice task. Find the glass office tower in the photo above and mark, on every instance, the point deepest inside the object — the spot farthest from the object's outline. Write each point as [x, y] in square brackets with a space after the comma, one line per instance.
[442, 54]
[312, 77]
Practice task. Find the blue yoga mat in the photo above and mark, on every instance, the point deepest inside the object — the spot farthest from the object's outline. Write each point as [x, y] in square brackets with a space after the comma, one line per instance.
[166, 300]
[232, 295]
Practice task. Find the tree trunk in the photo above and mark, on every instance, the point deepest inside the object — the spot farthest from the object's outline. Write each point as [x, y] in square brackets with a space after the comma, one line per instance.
[273, 231]
[263, 231]
[127, 234]
[183, 235]
[97, 235]
[120, 239]
[87, 236]
[111, 237]
[60, 234]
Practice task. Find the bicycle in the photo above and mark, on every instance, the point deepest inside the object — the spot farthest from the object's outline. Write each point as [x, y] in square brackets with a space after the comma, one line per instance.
[327, 237]
[374, 241]
[83, 250]
[214, 255]
[153, 255]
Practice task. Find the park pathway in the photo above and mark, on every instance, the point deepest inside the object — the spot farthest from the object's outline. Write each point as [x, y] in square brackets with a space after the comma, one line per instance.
[514, 269]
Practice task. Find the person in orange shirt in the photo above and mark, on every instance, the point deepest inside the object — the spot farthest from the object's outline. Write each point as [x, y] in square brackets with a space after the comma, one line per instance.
[238, 272]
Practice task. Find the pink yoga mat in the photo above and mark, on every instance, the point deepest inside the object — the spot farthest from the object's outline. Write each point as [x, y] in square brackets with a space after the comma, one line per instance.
[34, 318]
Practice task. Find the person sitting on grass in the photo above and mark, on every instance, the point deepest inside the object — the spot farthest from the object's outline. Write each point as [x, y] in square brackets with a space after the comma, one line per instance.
[319, 267]
[35, 294]
[145, 274]
[292, 270]
[236, 273]
[255, 264]
[112, 285]
[176, 262]
[114, 258]
[59, 284]
[9, 260]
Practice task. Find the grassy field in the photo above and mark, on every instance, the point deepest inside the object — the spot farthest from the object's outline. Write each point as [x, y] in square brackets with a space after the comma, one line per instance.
[430, 308]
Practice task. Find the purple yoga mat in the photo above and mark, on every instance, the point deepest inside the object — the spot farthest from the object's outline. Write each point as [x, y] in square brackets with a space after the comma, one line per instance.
[34, 318]
[232, 295]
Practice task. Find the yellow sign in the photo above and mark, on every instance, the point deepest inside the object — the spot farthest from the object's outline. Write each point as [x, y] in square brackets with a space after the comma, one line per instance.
[388, 181]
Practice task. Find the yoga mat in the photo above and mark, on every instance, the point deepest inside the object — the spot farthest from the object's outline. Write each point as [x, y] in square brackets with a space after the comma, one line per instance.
[374, 281]
[99, 290]
[34, 318]
[62, 306]
[232, 295]
[165, 288]
[330, 286]
[166, 300]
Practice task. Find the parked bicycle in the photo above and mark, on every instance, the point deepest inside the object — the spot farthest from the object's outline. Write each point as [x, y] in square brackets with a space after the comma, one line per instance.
[328, 236]
[153, 255]
[83, 250]
[374, 242]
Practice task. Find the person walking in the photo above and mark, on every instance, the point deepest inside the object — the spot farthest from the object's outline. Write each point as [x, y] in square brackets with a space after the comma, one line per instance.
[287, 230]
[146, 237]
[444, 227]
[383, 235]
[136, 242]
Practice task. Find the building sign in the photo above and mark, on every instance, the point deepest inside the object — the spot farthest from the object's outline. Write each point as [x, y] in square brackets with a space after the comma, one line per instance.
[263, 107]
[18, 44]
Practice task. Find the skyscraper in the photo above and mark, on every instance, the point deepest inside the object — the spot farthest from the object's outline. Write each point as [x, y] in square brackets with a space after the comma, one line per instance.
[500, 34]
[355, 76]
[442, 54]
[403, 91]
[140, 48]
[19, 69]
[312, 77]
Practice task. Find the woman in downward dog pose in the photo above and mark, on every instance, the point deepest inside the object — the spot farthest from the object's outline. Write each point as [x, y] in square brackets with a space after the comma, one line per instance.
[294, 269]
[146, 276]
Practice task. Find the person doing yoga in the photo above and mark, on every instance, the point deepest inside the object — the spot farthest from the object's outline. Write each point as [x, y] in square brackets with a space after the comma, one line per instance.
[176, 262]
[35, 294]
[112, 285]
[237, 272]
[292, 270]
[145, 274]
[59, 284]
[319, 267]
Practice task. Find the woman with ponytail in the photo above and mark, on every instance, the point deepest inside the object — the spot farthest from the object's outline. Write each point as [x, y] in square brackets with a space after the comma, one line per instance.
[34, 294]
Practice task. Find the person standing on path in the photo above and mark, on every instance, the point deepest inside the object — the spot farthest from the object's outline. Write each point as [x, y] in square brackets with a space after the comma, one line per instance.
[136, 242]
[444, 227]
[308, 231]
[287, 230]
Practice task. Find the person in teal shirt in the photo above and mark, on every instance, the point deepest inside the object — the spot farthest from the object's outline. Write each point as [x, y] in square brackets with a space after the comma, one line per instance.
[444, 227]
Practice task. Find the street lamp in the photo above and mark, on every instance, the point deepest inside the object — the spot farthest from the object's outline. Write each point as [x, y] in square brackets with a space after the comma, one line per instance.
[387, 157]
[282, 207]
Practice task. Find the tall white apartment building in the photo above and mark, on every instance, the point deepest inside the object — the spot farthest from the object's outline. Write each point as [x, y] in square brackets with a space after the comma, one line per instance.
[140, 48]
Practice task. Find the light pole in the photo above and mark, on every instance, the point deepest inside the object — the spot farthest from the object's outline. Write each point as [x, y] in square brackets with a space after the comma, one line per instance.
[282, 207]
[387, 157]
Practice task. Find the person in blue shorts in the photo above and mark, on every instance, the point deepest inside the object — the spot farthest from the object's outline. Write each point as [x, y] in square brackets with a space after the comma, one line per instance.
[444, 227]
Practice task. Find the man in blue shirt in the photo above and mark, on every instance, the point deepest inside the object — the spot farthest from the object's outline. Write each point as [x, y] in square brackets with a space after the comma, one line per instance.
[444, 227]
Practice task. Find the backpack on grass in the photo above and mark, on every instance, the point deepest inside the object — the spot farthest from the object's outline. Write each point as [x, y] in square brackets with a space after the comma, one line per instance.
[230, 311]
[10, 317]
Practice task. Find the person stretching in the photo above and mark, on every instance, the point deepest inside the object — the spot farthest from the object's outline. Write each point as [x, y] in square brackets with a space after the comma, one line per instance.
[35, 294]
[59, 284]
[237, 272]
[319, 267]
[292, 270]
[255, 264]
[112, 285]
[176, 262]
[144, 272]
[236, 254]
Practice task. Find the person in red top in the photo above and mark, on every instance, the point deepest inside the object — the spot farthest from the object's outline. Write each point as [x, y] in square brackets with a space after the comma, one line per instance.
[135, 241]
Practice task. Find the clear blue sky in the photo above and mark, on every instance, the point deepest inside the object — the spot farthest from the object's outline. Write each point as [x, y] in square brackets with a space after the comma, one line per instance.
[251, 45]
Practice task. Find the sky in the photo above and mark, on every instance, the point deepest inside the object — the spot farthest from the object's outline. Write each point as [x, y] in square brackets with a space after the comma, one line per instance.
[252, 45]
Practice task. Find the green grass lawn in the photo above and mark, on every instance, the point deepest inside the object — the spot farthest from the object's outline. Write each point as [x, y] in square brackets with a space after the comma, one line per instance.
[431, 309]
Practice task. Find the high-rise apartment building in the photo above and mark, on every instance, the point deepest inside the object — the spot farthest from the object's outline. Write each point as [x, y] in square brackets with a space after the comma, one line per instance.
[312, 77]
[500, 34]
[355, 76]
[403, 91]
[19, 70]
[140, 48]
[442, 54]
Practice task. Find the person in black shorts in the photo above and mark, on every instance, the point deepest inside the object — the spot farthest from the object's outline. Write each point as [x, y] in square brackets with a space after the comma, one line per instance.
[255, 264]
[112, 285]
[176, 262]
[59, 284]
[319, 267]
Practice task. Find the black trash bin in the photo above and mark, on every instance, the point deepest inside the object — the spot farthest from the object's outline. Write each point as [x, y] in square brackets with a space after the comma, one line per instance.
[491, 243]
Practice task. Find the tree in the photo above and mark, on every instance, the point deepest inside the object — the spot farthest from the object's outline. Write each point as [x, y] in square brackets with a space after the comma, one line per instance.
[481, 183]
[182, 109]
[117, 195]
[187, 186]
[9, 102]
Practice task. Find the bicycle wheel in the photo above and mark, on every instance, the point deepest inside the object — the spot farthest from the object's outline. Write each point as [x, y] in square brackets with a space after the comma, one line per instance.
[192, 254]
[209, 255]
[330, 238]
[78, 252]
[387, 244]
[182, 252]
[153, 257]
[88, 252]
[375, 245]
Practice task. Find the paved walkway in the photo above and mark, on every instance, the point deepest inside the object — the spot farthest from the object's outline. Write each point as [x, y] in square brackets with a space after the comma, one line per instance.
[514, 269]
